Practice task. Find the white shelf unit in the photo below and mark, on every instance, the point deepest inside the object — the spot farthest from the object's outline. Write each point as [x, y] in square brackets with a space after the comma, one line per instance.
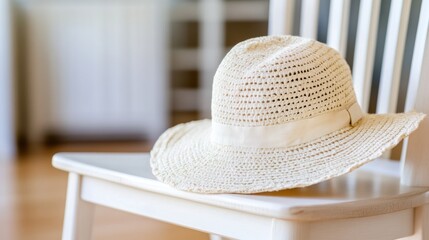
[211, 15]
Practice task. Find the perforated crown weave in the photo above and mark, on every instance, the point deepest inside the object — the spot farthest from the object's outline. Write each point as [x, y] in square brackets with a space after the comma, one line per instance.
[274, 80]
[283, 86]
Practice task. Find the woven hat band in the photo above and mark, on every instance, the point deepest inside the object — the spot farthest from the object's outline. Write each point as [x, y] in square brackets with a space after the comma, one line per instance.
[288, 134]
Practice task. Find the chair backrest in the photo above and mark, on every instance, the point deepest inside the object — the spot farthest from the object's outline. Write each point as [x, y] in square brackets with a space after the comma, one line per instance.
[281, 21]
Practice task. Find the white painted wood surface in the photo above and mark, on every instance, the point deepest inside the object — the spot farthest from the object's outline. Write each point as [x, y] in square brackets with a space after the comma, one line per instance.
[134, 170]
[245, 10]
[97, 68]
[281, 17]
[7, 126]
[363, 62]
[175, 210]
[371, 228]
[217, 237]
[418, 72]
[78, 213]
[212, 37]
[393, 56]
[414, 159]
[306, 213]
[309, 18]
[235, 10]
[338, 25]
[421, 222]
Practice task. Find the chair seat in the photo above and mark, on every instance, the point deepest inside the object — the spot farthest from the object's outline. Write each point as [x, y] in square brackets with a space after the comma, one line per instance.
[370, 190]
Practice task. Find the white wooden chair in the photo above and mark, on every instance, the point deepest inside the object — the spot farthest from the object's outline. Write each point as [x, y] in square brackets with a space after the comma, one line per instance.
[381, 200]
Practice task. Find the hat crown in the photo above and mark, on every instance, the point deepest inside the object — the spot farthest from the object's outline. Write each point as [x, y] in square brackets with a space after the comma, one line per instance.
[279, 79]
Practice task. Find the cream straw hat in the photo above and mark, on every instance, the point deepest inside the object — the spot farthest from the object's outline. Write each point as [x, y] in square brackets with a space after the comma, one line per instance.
[284, 115]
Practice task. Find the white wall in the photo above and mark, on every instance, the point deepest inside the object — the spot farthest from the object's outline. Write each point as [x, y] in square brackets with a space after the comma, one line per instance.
[7, 146]
[96, 68]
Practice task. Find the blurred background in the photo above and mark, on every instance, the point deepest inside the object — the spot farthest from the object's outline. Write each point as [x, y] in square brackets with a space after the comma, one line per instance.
[112, 75]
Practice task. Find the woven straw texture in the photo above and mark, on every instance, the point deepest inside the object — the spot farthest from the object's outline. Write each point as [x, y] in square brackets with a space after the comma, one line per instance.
[271, 81]
[274, 80]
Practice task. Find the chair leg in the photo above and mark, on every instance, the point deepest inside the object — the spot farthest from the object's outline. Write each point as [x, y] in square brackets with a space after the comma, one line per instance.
[421, 221]
[78, 213]
[421, 224]
[217, 237]
[282, 229]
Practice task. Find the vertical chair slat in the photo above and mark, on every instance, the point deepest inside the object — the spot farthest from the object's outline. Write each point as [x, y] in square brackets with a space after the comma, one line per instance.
[363, 62]
[420, 51]
[281, 17]
[414, 155]
[393, 56]
[309, 17]
[212, 37]
[338, 25]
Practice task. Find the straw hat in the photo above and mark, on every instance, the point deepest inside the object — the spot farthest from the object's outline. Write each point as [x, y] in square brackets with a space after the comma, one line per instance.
[284, 115]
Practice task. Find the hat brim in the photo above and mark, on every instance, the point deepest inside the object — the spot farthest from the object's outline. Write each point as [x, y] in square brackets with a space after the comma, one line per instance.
[185, 158]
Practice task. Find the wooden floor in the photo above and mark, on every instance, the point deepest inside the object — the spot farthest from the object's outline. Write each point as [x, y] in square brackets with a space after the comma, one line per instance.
[32, 197]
